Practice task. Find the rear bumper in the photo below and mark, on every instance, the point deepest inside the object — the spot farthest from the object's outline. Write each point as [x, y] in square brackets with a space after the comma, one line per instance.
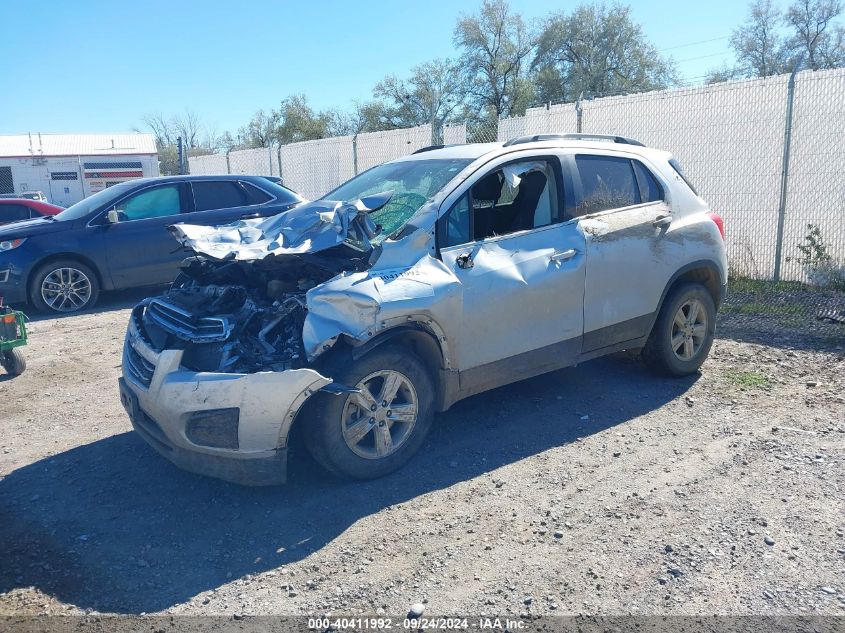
[164, 400]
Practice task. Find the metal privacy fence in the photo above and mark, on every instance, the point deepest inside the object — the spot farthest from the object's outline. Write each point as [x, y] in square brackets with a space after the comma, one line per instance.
[767, 154]
[757, 166]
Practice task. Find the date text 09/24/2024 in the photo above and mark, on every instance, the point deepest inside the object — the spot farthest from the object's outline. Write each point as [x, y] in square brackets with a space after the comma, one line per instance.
[442, 623]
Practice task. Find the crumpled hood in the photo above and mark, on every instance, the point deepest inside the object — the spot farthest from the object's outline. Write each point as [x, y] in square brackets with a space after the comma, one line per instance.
[308, 228]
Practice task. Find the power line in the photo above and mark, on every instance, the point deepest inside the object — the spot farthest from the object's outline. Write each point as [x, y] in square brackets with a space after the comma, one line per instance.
[690, 59]
[715, 39]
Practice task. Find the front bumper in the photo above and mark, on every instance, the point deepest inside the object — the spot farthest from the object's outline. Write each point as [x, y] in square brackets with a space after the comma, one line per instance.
[12, 284]
[161, 397]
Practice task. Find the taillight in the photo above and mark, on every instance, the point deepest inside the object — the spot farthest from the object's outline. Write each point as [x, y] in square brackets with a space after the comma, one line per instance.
[719, 222]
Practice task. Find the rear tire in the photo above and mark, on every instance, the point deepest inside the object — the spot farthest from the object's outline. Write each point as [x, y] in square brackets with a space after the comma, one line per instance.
[64, 286]
[683, 333]
[372, 433]
[13, 362]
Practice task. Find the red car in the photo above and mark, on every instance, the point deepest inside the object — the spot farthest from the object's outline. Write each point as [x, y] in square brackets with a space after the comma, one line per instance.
[14, 209]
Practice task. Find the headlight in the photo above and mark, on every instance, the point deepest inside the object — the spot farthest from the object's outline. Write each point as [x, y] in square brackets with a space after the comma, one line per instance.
[8, 245]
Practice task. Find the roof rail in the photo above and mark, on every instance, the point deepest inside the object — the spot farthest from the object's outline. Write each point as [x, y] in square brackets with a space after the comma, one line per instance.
[572, 137]
[429, 148]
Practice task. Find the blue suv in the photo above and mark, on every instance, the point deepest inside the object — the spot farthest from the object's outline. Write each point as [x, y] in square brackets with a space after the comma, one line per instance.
[118, 238]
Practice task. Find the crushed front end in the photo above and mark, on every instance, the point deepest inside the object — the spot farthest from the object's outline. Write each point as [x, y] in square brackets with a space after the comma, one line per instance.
[215, 370]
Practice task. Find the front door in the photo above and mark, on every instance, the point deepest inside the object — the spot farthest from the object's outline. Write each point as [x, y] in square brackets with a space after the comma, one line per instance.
[139, 248]
[521, 271]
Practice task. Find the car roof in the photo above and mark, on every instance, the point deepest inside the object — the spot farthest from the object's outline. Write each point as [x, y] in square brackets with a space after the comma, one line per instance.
[475, 151]
[188, 177]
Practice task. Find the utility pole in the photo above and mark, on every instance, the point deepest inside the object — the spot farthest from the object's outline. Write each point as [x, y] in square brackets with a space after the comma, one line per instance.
[180, 155]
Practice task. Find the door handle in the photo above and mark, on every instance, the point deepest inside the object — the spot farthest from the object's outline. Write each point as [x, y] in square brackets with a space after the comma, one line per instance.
[662, 220]
[564, 255]
[250, 216]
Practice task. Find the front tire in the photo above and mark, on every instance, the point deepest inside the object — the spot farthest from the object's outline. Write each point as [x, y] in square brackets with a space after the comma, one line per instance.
[64, 286]
[683, 333]
[13, 362]
[371, 433]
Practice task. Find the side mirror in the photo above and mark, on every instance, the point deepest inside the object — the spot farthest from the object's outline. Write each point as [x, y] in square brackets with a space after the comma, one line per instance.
[113, 216]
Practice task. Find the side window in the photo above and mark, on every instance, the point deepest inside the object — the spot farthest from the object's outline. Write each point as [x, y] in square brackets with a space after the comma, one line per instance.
[151, 203]
[650, 189]
[13, 212]
[519, 196]
[607, 182]
[256, 196]
[219, 194]
[458, 222]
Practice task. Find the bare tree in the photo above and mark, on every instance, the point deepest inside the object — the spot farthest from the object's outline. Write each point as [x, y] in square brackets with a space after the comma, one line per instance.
[820, 41]
[595, 50]
[496, 47]
[160, 127]
[433, 94]
[187, 125]
[759, 45]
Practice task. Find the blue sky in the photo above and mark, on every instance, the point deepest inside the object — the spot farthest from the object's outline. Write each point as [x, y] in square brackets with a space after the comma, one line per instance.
[96, 66]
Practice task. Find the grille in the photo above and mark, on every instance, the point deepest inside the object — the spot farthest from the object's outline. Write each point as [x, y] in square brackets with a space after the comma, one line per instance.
[140, 368]
[186, 326]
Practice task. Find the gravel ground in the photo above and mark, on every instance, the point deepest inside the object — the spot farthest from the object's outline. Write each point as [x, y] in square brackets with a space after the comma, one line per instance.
[598, 489]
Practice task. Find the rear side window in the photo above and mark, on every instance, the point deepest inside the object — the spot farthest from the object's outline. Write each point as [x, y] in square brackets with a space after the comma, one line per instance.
[677, 167]
[256, 196]
[13, 212]
[607, 182]
[650, 189]
[219, 195]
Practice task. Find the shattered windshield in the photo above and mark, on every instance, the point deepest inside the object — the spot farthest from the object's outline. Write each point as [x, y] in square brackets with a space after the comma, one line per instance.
[412, 182]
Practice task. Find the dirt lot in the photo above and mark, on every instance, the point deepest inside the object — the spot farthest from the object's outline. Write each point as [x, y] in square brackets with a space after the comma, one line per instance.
[598, 489]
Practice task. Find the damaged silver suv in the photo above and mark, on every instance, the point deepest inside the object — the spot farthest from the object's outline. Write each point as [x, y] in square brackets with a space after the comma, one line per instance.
[415, 284]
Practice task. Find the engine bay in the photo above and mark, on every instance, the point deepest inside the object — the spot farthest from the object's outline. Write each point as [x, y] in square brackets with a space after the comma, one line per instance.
[241, 316]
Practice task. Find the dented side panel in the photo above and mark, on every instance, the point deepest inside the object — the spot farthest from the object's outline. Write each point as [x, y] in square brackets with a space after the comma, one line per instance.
[397, 290]
[630, 260]
[522, 292]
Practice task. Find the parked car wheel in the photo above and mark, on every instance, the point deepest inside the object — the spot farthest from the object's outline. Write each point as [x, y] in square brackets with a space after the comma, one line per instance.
[64, 286]
[683, 333]
[372, 432]
[13, 362]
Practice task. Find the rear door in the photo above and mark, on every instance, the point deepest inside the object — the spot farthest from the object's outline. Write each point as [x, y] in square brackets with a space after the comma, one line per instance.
[224, 201]
[139, 249]
[622, 211]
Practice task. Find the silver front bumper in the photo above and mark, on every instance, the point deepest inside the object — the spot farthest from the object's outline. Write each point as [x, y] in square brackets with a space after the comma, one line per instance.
[161, 396]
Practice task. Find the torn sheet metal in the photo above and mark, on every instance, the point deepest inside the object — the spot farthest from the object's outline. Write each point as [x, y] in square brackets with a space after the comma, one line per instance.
[308, 228]
[359, 305]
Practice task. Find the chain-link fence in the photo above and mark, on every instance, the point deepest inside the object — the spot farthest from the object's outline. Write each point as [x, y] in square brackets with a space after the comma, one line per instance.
[767, 154]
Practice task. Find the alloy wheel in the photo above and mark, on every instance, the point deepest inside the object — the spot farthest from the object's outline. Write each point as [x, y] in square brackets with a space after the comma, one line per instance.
[66, 289]
[689, 329]
[380, 415]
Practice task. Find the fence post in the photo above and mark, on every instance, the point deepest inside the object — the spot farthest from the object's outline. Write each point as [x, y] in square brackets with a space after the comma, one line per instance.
[579, 111]
[279, 157]
[270, 158]
[784, 175]
[228, 166]
[355, 155]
